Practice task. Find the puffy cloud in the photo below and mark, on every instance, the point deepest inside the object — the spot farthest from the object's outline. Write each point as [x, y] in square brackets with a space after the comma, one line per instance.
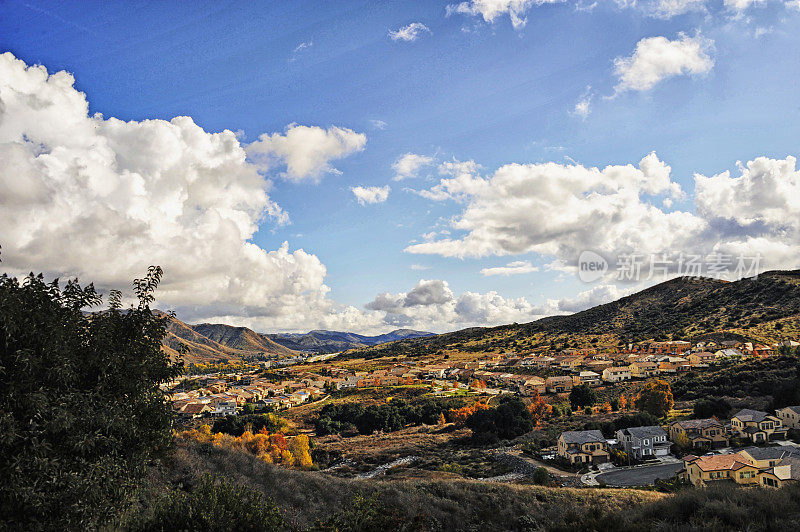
[761, 201]
[491, 9]
[793, 4]
[672, 8]
[557, 209]
[409, 165]
[561, 210]
[306, 151]
[658, 58]
[102, 199]
[512, 268]
[597, 295]
[742, 5]
[409, 33]
[431, 304]
[583, 107]
[371, 194]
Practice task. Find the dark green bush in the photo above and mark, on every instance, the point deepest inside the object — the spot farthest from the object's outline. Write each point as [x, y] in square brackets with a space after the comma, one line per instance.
[81, 412]
[212, 506]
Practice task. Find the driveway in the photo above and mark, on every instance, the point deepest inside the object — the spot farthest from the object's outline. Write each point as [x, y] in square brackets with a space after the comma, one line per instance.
[639, 476]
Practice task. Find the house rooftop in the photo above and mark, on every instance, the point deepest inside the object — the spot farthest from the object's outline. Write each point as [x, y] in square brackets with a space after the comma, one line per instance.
[722, 462]
[583, 436]
[755, 416]
[795, 409]
[697, 424]
[771, 453]
[645, 432]
[787, 469]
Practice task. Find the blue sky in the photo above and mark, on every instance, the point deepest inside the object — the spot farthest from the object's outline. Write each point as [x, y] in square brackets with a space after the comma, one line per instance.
[469, 87]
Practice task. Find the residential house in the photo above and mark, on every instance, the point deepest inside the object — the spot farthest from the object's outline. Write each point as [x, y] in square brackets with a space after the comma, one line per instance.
[789, 416]
[644, 442]
[702, 433]
[598, 365]
[673, 365]
[701, 359]
[588, 378]
[728, 354]
[678, 347]
[642, 369]
[194, 410]
[617, 374]
[583, 447]
[765, 457]
[537, 362]
[787, 471]
[532, 386]
[225, 407]
[702, 470]
[570, 363]
[762, 351]
[757, 426]
[559, 384]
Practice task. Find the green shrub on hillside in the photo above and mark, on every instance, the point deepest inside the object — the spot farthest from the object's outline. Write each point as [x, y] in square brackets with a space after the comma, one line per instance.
[211, 505]
[81, 412]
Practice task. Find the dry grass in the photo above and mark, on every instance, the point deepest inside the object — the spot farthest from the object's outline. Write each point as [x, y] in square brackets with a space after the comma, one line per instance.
[305, 498]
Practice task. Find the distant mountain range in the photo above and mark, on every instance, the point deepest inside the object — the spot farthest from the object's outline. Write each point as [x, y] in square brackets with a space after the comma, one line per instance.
[207, 342]
[332, 341]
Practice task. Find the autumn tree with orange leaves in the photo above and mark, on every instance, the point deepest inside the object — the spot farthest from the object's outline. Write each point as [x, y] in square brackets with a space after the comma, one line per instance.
[538, 408]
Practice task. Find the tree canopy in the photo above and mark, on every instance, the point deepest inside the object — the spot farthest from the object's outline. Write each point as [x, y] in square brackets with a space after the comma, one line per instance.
[655, 398]
[81, 411]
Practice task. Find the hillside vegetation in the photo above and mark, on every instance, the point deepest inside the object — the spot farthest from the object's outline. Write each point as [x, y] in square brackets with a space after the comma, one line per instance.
[763, 309]
[317, 501]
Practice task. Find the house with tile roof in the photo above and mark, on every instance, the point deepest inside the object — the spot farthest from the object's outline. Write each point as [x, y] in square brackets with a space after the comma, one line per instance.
[704, 470]
[583, 447]
[757, 426]
[559, 384]
[707, 433]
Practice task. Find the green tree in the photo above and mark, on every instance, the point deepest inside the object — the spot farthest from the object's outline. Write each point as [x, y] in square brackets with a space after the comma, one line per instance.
[81, 411]
[655, 398]
[582, 395]
[509, 420]
[541, 476]
[712, 406]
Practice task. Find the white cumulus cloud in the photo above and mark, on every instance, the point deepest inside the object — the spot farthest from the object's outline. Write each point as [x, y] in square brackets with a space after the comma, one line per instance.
[409, 33]
[560, 210]
[306, 151]
[409, 165]
[512, 268]
[489, 10]
[657, 58]
[742, 5]
[366, 195]
[101, 199]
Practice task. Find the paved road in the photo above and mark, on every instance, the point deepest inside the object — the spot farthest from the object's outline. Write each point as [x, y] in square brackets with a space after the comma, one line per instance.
[639, 476]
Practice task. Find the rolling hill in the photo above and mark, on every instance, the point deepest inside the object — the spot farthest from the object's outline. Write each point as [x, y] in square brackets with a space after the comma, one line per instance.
[209, 342]
[762, 309]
